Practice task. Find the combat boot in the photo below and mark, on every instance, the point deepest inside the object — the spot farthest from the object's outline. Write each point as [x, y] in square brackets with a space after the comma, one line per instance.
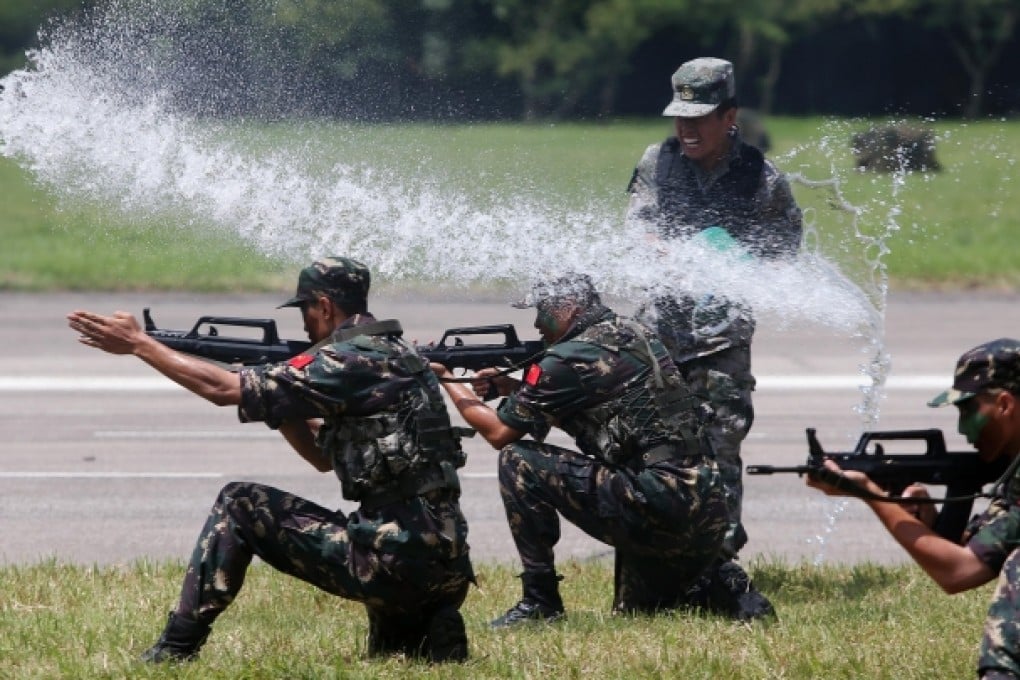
[540, 602]
[180, 641]
[731, 593]
[446, 638]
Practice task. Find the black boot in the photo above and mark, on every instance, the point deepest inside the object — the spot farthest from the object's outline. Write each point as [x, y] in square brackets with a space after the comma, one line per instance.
[446, 639]
[731, 593]
[393, 634]
[541, 601]
[180, 641]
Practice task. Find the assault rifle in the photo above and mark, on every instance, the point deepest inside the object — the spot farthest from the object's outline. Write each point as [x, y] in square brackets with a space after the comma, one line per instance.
[962, 473]
[205, 340]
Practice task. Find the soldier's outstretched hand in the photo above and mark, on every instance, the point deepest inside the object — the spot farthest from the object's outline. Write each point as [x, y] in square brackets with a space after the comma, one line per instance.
[117, 334]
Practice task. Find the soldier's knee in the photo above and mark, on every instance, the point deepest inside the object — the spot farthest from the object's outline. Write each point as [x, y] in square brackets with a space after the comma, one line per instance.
[512, 455]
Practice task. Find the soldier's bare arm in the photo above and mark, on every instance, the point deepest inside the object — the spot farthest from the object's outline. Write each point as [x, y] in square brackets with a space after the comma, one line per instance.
[121, 334]
[300, 434]
[953, 567]
[476, 413]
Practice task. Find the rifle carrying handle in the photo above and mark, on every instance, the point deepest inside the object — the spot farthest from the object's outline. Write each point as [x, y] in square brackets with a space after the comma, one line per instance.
[508, 332]
[268, 326]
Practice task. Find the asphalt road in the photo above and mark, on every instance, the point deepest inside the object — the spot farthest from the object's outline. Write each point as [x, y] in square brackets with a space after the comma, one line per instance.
[103, 461]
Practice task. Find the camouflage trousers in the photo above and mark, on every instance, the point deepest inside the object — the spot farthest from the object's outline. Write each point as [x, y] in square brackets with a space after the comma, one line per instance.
[999, 658]
[309, 542]
[666, 521]
[726, 379]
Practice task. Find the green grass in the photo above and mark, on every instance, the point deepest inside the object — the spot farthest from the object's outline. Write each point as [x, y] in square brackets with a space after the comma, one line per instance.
[864, 621]
[954, 228]
[76, 246]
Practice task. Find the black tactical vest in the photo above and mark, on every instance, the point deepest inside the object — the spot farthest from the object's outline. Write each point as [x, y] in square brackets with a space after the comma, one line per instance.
[406, 450]
[655, 408]
[730, 202]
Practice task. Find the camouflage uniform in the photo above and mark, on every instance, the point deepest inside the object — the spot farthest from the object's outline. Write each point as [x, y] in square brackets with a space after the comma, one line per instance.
[403, 553]
[994, 538]
[749, 198]
[643, 481]
[994, 535]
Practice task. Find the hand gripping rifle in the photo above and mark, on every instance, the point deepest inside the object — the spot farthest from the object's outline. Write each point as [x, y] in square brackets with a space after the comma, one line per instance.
[962, 473]
[205, 340]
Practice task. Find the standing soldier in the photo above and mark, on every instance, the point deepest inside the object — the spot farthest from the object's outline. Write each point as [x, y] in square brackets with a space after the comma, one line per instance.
[703, 180]
[642, 482]
[364, 404]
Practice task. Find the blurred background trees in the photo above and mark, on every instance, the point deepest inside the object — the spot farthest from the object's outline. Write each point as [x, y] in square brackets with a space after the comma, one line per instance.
[568, 59]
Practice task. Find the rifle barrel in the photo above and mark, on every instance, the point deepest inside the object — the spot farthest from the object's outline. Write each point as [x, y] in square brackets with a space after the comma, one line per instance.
[777, 469]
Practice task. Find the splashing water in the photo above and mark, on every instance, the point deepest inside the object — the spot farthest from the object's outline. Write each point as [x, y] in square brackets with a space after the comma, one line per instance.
[94, 118]
[872, 333]
[97, 116]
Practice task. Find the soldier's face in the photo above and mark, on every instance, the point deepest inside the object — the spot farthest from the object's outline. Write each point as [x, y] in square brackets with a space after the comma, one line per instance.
[552, 321]
[316, 315]
[988, 421]
[705, 139]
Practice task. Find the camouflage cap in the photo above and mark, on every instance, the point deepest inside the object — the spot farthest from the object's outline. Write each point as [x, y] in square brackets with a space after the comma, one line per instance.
[573, 286]
[993, 364]
[700, 86]
[339, 278]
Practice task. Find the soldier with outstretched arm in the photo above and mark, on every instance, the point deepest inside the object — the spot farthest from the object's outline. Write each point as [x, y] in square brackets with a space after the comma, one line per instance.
[362, 403]
[986, 391]
[643, 479]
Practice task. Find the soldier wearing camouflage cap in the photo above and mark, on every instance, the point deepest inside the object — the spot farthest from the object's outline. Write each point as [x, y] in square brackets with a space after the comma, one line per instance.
[363, 404]
[992, 365]
[643, 479]
[341, 279]
[986, 393]
[706, 177]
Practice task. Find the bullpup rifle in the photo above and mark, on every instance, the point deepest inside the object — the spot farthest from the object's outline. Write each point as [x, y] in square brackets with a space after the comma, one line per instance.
[266, 347]
[963, 474]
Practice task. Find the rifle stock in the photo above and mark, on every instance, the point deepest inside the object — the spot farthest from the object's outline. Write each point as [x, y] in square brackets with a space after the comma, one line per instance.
[452, 351]
[962, 473]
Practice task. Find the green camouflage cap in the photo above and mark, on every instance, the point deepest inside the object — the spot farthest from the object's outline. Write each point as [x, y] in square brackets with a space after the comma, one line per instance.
[993, 364]
[339, 278]
[574, 286]
[700, 86]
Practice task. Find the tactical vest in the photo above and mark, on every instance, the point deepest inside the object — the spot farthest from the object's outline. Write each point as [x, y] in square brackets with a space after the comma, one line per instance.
[654, 411]
[730, 202]
[406, 450]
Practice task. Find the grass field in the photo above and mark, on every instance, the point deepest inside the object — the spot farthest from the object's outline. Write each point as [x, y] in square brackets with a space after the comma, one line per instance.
[865, 622]
[950, 229]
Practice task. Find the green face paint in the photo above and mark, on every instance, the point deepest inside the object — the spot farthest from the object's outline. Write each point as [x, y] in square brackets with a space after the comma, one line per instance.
[547, 323]
[972, 422]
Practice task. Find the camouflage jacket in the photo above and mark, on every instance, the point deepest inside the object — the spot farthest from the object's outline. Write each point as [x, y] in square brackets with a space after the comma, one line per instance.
[601, 386]
[995, 533]
[385, 428]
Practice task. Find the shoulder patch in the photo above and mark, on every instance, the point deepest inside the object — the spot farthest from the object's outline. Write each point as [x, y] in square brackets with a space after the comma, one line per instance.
[533, 374]
[300, 361]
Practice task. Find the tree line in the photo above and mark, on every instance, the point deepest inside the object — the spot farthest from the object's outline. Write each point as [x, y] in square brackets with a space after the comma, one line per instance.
[562, 59]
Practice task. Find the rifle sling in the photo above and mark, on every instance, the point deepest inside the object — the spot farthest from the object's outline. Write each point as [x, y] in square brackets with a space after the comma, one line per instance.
[844, 483]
